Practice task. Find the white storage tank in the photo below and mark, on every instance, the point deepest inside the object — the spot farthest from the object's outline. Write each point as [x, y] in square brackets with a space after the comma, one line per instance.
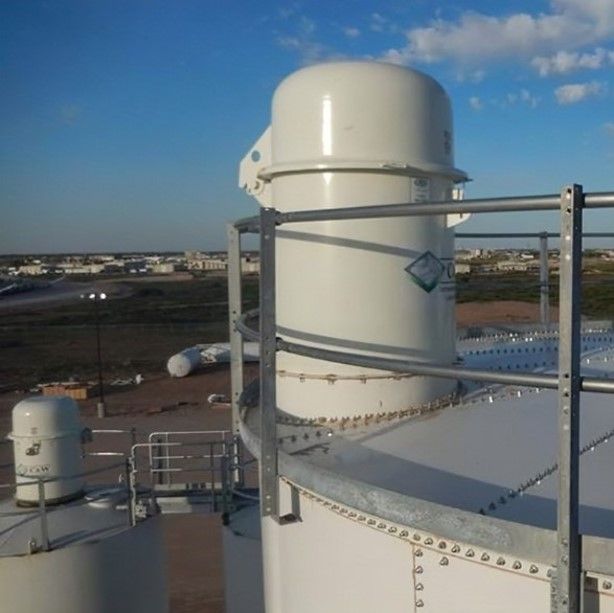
[47, 435]
[183, 363]
[350, 134]
[85, 553]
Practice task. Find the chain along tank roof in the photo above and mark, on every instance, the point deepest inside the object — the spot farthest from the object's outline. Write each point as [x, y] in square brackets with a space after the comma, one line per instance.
[491, 451]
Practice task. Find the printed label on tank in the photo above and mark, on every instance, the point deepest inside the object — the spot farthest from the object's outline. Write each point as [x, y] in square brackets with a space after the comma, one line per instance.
[421, 189]
[33, 469]
[426, 271]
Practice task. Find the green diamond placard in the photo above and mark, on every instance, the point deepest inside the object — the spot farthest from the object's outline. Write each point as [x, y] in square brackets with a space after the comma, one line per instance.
[426, 271]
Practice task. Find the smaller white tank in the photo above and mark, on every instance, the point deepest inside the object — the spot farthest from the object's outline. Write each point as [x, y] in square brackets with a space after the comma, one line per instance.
[47, 435]
[183, 363]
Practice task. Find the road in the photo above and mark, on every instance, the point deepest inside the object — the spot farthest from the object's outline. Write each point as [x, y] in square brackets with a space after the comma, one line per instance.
[57, 292]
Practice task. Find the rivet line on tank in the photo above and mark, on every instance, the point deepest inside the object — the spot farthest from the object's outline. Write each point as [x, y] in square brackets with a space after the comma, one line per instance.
[538, 478]
[427, 540]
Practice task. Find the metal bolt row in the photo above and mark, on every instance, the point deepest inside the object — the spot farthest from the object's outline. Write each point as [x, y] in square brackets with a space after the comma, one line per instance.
[343, 423]
[454, 399]
[424, 540]
[537, 479]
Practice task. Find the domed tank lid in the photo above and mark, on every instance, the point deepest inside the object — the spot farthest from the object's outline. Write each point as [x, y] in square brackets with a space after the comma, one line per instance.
[361, 115]
[48, 416]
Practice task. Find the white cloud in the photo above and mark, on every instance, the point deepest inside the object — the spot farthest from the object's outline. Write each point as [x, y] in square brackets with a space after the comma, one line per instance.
[351, 32]
[473, 76]
[608, 128]
[528, 98]
[600, 12]
[475, 103]
[564, 62]
[303, 42]
[479, 38]
[378, 22]
[576, 92]
[522, 97]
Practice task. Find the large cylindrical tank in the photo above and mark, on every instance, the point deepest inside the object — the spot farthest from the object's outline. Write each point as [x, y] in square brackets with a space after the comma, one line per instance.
[183, 363]
[47, 434]
[97, 562]
[353, 134]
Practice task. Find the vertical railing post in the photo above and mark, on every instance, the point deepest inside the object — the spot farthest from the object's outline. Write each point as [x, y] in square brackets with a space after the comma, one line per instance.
[156, 452]
[234, 313]
[212, 488]
[268, 346]
[42, 511]
[544, 286]
[226, 486]
[168, 477]
[127, 478]
[566, 592]
[132, 497]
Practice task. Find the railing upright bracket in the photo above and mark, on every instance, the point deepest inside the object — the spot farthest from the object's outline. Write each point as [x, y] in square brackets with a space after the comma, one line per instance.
[268, 347]
[234, 314]
[566, 592]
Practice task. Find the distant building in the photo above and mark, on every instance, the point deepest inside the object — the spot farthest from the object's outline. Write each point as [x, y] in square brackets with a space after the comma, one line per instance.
[163, 268]
[462, 268]
[82, 269]
[250, 264]
[464, 254]
[136, 267]
[30, 270]
[214, 264]
[517, 265]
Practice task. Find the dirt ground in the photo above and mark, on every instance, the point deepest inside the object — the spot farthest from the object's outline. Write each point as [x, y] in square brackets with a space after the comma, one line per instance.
[193, 542]
[508, 311]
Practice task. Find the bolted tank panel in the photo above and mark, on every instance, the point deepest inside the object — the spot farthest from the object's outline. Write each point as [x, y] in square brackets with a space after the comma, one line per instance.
[353, 134]
[47, 433]
[97, 564]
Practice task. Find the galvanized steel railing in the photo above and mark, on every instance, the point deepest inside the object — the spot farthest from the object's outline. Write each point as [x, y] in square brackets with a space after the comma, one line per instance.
[566, 581]
[544, 279]
[219, 459]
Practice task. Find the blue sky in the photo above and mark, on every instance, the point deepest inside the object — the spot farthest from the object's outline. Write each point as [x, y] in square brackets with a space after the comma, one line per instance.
[123, 122]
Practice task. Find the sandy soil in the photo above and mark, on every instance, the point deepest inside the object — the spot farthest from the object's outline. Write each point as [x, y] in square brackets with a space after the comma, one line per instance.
[194, 548]
[508, 311]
